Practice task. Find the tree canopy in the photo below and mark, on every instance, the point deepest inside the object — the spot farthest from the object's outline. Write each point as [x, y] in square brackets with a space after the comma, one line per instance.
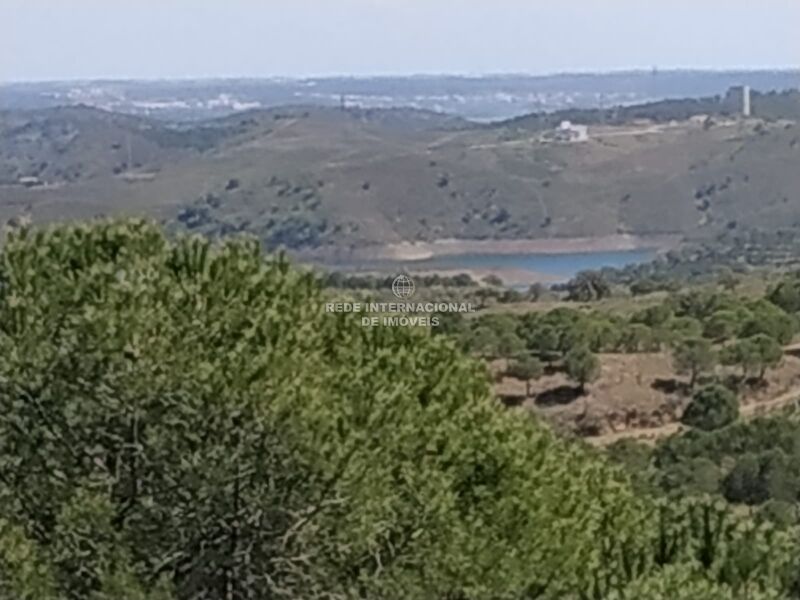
[582, 366]
[693, 356]
[712, 407]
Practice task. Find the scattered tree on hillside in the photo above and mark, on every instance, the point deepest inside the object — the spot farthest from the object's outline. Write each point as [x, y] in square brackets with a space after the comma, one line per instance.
[526, 369]
[693, 357]
[685, 327]
[602, 334]
[770, 320]
[509, 344]
[588, 286]
[637, 337]
[482, 341]
[510, 296]
[642, 287]
[754, 355]
[722, 325]
[495, 336]
[740, 354]
[574, 331]
[712, 407]
[542, 339]
[786, 294]
[654, 316]
[582, 366]
[485, 296]
[536, 291]
[493, 280]
[768, 351]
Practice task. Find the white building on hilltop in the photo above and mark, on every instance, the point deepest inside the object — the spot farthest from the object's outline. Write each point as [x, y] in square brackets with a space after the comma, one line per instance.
[569, 132]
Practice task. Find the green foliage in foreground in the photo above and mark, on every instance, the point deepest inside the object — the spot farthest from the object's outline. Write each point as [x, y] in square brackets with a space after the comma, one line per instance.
[753, 462]
[679, 583]
[183, 421]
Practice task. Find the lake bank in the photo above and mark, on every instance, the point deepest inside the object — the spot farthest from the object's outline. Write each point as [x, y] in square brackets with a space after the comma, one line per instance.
[515, 270]
[422, 251]
[524, 269]
[518, 263]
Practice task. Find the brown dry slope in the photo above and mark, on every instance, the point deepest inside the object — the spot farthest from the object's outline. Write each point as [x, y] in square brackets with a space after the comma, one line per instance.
[747, 411]
[636, 397]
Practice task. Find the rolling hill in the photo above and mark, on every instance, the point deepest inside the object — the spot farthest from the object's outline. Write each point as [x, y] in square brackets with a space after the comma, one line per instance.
[328, 182]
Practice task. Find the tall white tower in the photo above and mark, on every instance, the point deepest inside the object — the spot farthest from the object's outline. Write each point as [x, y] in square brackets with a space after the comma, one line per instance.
[746, 109]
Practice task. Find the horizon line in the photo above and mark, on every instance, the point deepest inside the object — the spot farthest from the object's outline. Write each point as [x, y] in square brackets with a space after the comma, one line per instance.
[412, 75]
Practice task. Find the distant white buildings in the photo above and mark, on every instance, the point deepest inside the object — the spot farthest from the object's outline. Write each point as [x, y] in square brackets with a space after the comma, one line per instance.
[29, 181]
[570, 132]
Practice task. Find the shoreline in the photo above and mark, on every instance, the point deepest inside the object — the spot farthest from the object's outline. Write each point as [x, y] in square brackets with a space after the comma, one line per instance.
[421, 251]
[421, 257]
[511, 277]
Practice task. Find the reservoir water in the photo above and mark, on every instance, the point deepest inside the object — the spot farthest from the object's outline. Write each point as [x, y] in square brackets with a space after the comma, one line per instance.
[556, 267]
[562, 266]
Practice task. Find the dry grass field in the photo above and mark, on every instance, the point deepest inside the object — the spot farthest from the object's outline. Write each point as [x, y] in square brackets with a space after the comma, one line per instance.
[636, 395]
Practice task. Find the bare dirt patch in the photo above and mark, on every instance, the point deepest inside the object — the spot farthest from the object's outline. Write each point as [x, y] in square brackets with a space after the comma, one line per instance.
[636, 395]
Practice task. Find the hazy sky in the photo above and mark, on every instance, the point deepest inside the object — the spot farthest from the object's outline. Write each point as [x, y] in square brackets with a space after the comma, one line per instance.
[67, 39]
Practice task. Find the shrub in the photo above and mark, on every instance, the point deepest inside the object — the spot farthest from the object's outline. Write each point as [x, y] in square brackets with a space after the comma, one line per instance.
[712, 407]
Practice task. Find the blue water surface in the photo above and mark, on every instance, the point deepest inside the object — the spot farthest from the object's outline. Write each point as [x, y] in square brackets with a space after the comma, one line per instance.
[562, 266]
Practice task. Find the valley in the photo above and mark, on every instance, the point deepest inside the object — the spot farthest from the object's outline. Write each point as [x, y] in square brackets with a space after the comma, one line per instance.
[335, 185]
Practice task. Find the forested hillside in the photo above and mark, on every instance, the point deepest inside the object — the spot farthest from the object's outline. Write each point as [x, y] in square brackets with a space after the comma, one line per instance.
[181, 420]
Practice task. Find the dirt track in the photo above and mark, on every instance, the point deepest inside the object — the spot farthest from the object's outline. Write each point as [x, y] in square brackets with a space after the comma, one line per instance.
[747, 411]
